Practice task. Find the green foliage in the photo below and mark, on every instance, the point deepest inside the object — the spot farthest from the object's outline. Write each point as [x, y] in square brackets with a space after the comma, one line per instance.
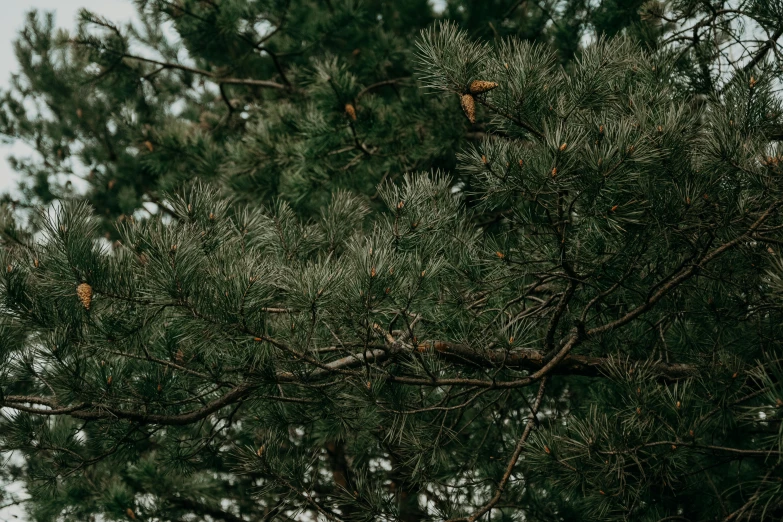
[581, 321]
[252, 94]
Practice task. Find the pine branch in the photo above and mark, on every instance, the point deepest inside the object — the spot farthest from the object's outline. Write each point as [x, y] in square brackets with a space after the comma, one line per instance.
[212, 76]
[372, 87]
[512, 462]
[525, 125]
[760, 54]
[682, 276]
[97, 411]
[458, 354]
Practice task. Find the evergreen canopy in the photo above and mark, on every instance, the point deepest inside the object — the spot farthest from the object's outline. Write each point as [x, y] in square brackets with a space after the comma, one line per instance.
[369, 307]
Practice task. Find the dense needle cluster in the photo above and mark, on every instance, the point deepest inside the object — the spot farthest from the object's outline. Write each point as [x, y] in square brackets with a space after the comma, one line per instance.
[511, 283]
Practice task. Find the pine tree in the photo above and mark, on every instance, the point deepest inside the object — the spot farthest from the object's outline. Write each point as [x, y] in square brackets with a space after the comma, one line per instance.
[254, 94]
[581, 320]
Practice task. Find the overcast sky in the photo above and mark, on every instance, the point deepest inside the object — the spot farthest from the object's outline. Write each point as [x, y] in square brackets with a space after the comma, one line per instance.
[11, 21]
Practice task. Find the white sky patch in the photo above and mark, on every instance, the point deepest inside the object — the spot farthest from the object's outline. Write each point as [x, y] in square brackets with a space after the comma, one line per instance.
[12, 22]
[438, 6]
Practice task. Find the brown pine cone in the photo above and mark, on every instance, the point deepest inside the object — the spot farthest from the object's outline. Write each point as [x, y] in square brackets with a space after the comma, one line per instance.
[469, 106]
[479, 86]
[350, 111]
[84, 293]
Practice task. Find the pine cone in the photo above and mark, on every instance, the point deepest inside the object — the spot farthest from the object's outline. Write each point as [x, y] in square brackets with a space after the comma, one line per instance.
[350, 111]
[84, 292]
[479, 86]
[469, 106]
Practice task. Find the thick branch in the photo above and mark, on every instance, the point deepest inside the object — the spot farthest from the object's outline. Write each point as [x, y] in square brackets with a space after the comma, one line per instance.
[531, 360]
[97, 411]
